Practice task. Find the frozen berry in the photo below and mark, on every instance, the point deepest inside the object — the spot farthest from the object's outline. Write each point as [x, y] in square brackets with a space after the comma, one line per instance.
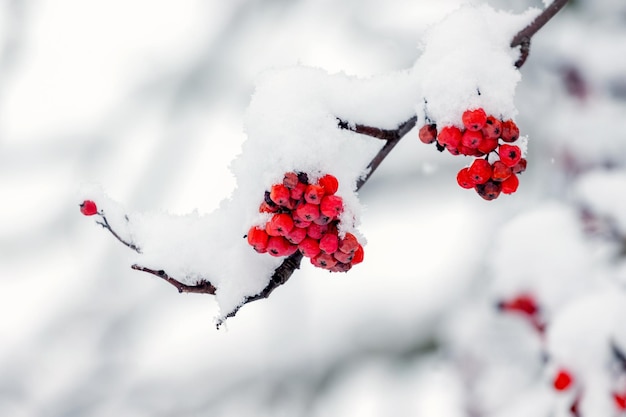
[88, 208]
[324, 260]
[489, 190]
[331, 206]
[341, 267]
[464, 179]
[359, 254]
[520, 166]
[428, 133]
[279, 225]
[509, 185]
[308, 211]
[450, 136]
[344, 257]
[474, 120]
[309, 247]
[472, 139]
[316, 231]
[329, 183]
[563, 380]
[323, 219]
[488, 145]
[257, 238]
[279, 246]
[492, 128]
[313, 193]
[480, 171]
[349, 243]
[329, 243]
[296, 235]
[268, 208]
[290, 180]
[297, 192]
[510, 154]
[280, 194]
[510, 131]
[500, 171]
[299, 221]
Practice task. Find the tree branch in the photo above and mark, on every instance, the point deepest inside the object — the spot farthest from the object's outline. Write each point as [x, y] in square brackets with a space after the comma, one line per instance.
[523, 37]
[392, 136]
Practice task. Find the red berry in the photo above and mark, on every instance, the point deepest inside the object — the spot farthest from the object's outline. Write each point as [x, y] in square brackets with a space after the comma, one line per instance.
[266, 208]
[331, 206]
[563, 380]
[280, 194]
[341, 267]
[489, 190]
[258, 238]
[324, 260]
[472, 139]
[329, 183]
[308, 211]
[520, 166]
[279, 225]
[464, 179]
[296, 235]
[359, 254]
[313, 193]
[278, 246]
[510, 154]
[344, 257]
[510, 131]
[523, 303]
[322, 220]
[297, 192]
[620, 401]
[492, 128]
[349, 243]
[290, 180]
[474, 119]
[316, 231]
[509, 185]
[428, 133]
[88, 208]
[480, 171]
[469, 151]
[453, 151]
[309, 247]
[329, 243]
[299, 221]
[450, 136]
[500, 171]
[488, 145]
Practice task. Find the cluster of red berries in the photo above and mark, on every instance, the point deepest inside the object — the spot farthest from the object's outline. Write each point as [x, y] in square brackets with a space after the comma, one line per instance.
[305, 217]
[482, 135]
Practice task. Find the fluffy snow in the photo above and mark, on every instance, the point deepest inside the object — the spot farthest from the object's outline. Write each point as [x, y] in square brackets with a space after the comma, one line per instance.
[603, 192]
[467, 62]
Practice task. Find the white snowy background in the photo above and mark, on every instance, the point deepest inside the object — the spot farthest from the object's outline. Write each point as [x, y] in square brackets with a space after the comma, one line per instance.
[148, 99]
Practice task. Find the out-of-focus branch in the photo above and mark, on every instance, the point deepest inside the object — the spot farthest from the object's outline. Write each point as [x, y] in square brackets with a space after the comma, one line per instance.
[522, 39]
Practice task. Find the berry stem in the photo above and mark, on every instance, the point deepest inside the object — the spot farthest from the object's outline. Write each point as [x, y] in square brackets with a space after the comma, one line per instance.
[105, 224]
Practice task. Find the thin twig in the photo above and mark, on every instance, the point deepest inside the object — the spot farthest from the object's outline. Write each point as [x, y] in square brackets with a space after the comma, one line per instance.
[202, 287]
[105, 224]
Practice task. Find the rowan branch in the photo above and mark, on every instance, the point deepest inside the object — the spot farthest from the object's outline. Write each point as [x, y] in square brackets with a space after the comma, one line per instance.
[392, 136]
[524, 36]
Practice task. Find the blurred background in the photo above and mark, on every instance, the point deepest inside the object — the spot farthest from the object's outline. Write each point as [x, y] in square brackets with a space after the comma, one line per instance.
[146, 98]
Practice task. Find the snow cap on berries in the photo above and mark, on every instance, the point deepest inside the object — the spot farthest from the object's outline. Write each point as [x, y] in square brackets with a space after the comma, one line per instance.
[467, 63]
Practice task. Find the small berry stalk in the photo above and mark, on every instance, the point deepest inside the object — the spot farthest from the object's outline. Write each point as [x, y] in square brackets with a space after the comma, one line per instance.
[488, 139]
[305, 217]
